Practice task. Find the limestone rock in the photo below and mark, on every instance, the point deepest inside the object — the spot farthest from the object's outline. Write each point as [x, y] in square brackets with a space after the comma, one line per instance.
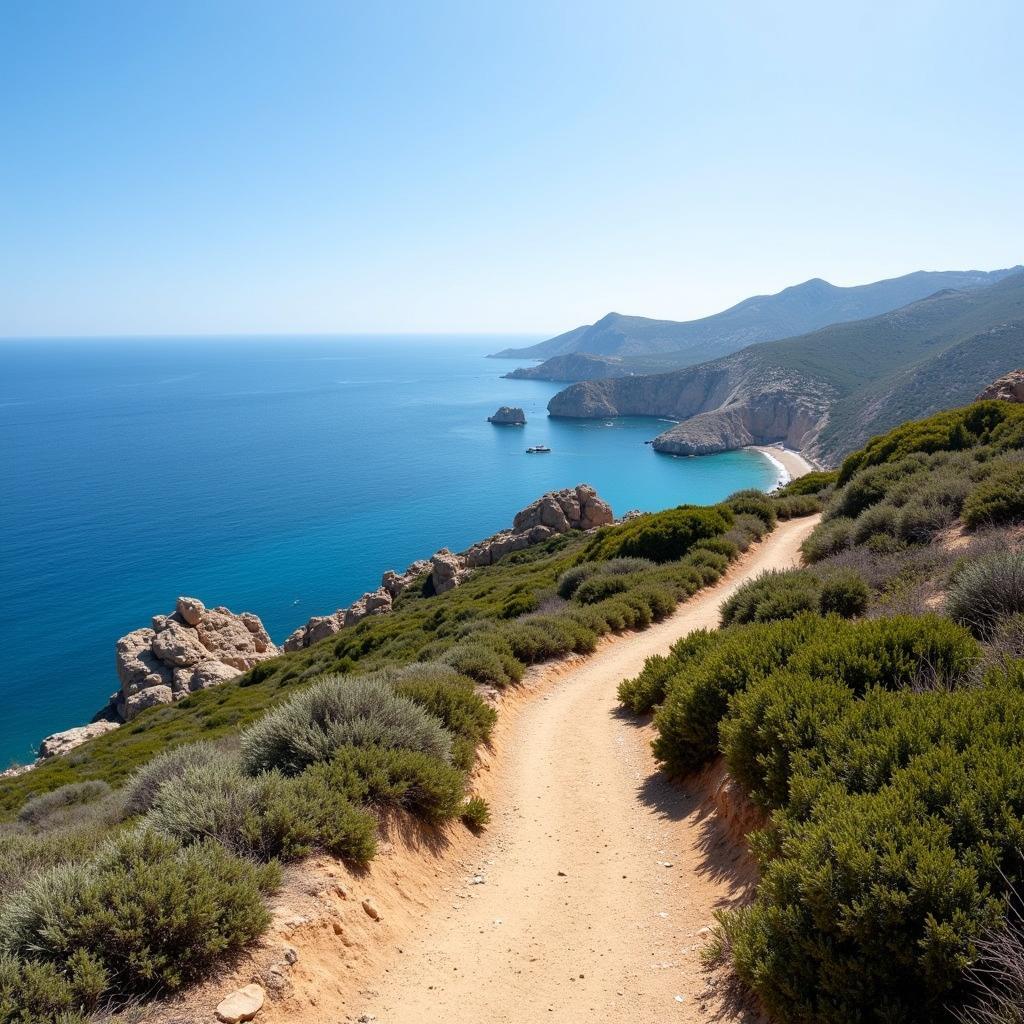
[191, 649]
[396, 584]
[447, 570]
[509, 416]
[1008, 388]
[241, 1005]
[61, 742]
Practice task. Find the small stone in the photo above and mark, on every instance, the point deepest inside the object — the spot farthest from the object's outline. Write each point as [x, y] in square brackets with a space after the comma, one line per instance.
[562, 874]
[291, 955]
[241, 1005]
[371, 910]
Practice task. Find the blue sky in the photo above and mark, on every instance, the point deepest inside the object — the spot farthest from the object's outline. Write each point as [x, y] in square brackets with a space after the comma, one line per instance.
[171, 166]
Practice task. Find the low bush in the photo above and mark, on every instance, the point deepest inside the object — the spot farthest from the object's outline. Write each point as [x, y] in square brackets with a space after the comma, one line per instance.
[812, 483]
[720, 545]
[773, 595]
[844, 592]
[148, 913]
[337, 712]
[986, 591]
[381, 777]
[828, 538]
[877, 519]
[797, 506]
[661, 536]
[264, 817]
[476, 813]
[997, 499]
[542, 637]
[24, 854]
[141, 789]
[57, 802]
[754, 503]
[599, 586]
[449, 697]
[42, 993]
[570, 580]
[648, 689]
[485, 662]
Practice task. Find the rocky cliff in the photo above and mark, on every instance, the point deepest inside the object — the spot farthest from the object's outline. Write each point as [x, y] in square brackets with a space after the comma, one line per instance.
[193, 648]
[1008, 388]
[576, 508]
[573, 367]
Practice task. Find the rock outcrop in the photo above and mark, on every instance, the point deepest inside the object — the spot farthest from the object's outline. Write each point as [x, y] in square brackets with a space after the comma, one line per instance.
[1008, 388]
[576, 508]
[61, 742]
[572, 367]
[191, 649]
[508, 416]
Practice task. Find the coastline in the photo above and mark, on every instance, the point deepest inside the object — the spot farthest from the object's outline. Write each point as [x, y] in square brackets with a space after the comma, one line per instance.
[790, 464]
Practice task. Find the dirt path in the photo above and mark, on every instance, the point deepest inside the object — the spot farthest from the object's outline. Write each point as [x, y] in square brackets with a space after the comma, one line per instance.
[596, 877]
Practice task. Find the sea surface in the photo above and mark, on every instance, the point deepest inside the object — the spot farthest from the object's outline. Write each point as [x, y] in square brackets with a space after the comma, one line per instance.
[276, 475]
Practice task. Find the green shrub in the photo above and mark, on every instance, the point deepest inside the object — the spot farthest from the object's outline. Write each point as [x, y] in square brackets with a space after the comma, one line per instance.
[810, 483]
[150, 914]
[73, 795]
[599, 586]
[542, 637]
[476, 813]
[877, 519]
[986, 591]
[997, 499]
[484, 662]
[382, 777]
[697, 698]
[519, 604]
[24, 854]
[754, 503]
[828, 538]
[719, 545]
[169, 766]
[773, 595]
[661, 536]
[337, 712]
[449, 697]
[797, 506]
[42, 993]
[264, 817]
[570, 580]
[845, 593]
[648, 689]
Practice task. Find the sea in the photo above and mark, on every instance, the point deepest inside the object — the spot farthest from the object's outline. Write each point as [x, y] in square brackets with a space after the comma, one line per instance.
[275, 475]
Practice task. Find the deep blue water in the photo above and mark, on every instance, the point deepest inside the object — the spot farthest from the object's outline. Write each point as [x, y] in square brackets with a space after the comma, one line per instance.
[280, 476]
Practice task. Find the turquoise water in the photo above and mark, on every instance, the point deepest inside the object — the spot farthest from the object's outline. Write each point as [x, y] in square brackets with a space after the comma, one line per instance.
[280, 476]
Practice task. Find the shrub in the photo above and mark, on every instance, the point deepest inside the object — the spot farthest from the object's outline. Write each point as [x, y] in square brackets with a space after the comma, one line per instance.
[141, 789]
[569, 581]
[997, 974]
[997, 499]
[337, 712]
[648, 689]
[41, 993]
[476, 813]
[449, 697]
[754, 503]
[599, 586]
[697, 698]
[986, 591]
[381, 777]
[828, 538]
[265, 817]
[810, 483]
[796, 506]
[485, 663]
[542, 637]
[75, 794]
[878, 519]
[25, 854]
[720, 545]
[844, 592]
[150, 914]
[773, 595]
[661, 536]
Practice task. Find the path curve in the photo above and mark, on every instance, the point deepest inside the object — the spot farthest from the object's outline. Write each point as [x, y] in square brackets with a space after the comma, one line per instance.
[596, 877]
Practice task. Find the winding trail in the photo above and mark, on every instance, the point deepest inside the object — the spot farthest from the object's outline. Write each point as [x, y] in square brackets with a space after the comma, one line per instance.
[596, 877]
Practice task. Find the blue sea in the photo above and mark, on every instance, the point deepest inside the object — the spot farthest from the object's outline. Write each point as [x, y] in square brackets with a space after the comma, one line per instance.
[275, 475]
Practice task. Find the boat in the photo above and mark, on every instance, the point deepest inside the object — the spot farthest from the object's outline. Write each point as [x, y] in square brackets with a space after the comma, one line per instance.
[537, 449]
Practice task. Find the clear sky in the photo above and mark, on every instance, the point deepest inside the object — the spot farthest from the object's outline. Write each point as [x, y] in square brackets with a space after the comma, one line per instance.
[170, 166]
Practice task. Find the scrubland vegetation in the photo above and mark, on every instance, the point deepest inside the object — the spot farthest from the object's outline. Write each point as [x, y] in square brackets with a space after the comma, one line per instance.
[872, 703]
[128, 868]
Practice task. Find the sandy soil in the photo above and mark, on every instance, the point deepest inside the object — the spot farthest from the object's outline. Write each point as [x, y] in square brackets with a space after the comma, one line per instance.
[792, 462]
[589, 896]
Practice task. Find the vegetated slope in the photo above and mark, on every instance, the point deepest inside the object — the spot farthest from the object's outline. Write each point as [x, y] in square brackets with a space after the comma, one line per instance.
[827, 391]
[794, 310]
[203, 800]
[873, 703]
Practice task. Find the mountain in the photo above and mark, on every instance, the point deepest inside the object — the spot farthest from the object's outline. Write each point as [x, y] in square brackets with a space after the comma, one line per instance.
[826, 391]
[795, 310]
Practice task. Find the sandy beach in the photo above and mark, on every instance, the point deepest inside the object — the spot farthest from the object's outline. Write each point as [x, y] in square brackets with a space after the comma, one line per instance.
[791, 464]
